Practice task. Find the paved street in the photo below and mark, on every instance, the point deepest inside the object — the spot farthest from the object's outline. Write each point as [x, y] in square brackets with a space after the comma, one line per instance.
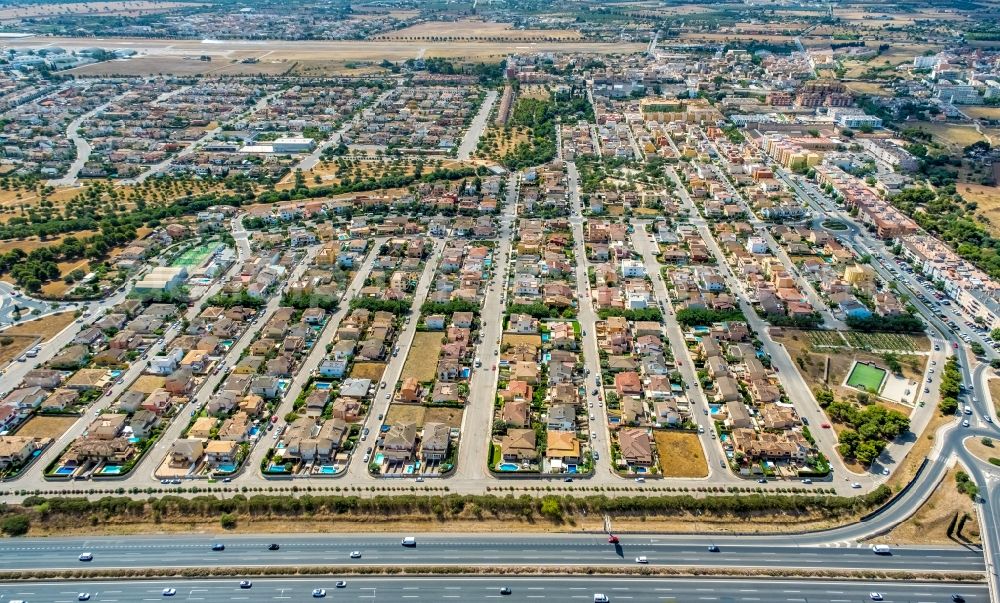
[475, 131]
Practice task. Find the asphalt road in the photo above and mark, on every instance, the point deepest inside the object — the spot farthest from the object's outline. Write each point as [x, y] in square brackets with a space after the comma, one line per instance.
[474, 549]
[551, 589]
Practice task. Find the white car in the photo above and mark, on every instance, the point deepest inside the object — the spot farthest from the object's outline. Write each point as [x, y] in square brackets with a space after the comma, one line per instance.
[855, 485]
[169, 592]
[83, 597]
[319, 593]
[641, 560]
[875, 596]
[86, 557]
[355, 554]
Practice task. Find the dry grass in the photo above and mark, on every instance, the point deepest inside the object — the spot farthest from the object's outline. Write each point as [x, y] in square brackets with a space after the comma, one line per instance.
[128, 8]
[452, 417]
[987, 198]
[148, 384]
[906, 470]
[368, 370]
[681, 454]
[45, 328]
[18, 344]
[513, 339]
[953, 135]
[994, 384]
[421, 361]
[41, 426]
[400, 414]
[472, 30]
[929, 525]
[868, 88]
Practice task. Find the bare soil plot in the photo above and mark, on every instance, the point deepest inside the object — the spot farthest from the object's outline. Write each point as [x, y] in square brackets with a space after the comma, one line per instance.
[11, 346]
[368, 370]
[987, 199]
[681, 454]
[400, 414]
[955, 135]
[45, 328]
[148, 384]
[41, 426]
[512, 339]
[871, 88]
[476, 30]
[421, 360]
[994, 384]
[452, 417]
[929, 525]
[981, 450]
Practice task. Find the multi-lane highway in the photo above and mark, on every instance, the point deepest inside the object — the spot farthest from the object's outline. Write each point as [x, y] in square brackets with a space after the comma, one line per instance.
[467, 550]
[551, 589]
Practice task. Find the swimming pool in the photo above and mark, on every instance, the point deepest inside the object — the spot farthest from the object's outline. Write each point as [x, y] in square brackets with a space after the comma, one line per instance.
[328, 469]
[571, 469]
[640, 470]
[64, 471]
[111, 470]
[508, 467]
[254, 431]
[134, 440]
[379, 458]
[322, 385]
[115, 373]
[226, 468]
[275, 468]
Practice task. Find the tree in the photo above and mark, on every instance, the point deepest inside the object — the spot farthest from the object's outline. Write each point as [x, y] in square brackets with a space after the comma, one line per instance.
[977, 348]
[227, 521]
[15, 525]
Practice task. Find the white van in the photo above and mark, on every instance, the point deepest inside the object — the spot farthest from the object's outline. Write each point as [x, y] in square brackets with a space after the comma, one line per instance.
[409, 541]
[881, 549]
[599, 598]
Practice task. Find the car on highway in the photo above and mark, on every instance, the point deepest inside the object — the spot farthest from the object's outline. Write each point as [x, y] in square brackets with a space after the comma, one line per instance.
[273, 546]
[409, 541]
[355, 554]
[825, 426]
[218, 546]
[169, 592]
[246, 584]
[505, 590]
[642, 560]
[601, 598]
[958, 598]
[713, 548]
[341, 584]
[875, 596]
[83, 597]
[319, 593]
[86, 557]
[965, 423]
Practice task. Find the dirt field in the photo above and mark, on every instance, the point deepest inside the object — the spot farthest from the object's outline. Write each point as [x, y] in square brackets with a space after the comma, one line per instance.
[421, 361]
[476, 30]
[46, 427]
[988, 200]
[995, 393]
[368, 370]
[953, 135]
[867, 88]
[405, 413]
[18, 344]
[929, 525]
[452, 417]
[147, 384]
[509, 339]
[46, 328]
[681, 454]
[91, 9]
[981, 450]
[918, 452]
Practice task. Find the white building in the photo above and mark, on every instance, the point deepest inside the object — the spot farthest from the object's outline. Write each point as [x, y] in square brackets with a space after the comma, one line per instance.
[162, 278]
[293, 144]
[632, 269]
[756, 245]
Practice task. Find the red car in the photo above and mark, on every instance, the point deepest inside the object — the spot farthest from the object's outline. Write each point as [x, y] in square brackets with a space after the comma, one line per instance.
[613, 539]
[825, 426]
[955, 345]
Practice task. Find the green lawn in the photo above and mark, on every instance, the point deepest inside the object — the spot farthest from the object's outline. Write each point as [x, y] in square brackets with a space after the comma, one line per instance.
[867, 377]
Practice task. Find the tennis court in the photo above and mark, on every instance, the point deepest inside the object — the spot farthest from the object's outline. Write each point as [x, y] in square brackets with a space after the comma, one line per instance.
[194, 256]
[866, 376]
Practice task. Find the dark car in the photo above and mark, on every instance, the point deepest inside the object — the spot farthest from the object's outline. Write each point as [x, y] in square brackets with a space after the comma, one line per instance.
[504, 590]
[713, 548]
[218, 547]
[273, 547]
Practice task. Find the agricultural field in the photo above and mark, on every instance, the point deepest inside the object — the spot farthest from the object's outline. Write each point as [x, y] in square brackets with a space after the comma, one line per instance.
[680, 453]
[421, 361]
[476, 30]
[894, 342]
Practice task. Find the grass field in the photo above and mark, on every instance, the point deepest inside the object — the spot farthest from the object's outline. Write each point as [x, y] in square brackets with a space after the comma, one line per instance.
[368, 370]
[194, 256]
[953, 135]
[452, 417]
[400, 414]
[680, 453]
[929, 525]
[147, 384]
[866, 376]
[46, 427]
[421, 361]
[509, 339]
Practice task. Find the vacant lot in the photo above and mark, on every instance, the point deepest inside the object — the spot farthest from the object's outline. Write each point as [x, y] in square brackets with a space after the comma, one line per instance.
[953, 135]
[476, 30]
[46, 427]
[535, 340]
[46, 328]
[994, 384]
[452, 417]
[368, 370]
[987, 198]
[400, 414]
[148, 384]
[681, 454]
[929, 525]
[11, 346]
[421, 361]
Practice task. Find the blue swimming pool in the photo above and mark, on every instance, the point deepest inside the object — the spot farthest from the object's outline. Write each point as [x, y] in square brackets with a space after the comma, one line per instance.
[254, 431]
[276, 468]
[640, 470]
[226, 468]
[134, 440]
[614, 420]
[508, 467]
[571, 469]
[64, 471]
[111, 470]
[115, 374]
[328, 469]
[322, 385]
[379, 458]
